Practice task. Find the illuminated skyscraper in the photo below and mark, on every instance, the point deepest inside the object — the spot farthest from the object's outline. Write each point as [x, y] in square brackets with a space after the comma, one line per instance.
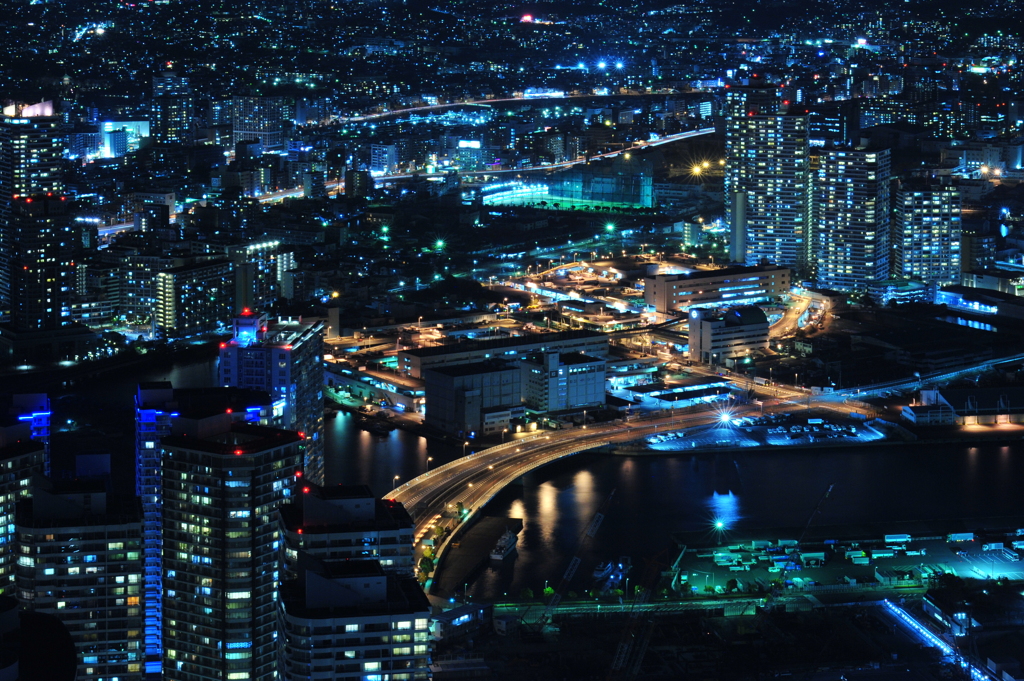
[927, 233]
[259, 118]
[282, 357]
[37, 247]
[172, 109]
[21, 458]
[221, 484]
[851, 214]
[81, 560]
[767, 179]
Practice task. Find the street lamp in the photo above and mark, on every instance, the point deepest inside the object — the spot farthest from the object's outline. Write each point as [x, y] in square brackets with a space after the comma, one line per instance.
[420, 322]
[503, 435]
[429, 459]
[466, 442]
[396, 482]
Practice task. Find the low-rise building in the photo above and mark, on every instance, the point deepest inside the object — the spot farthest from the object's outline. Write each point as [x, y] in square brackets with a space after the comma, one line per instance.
[735, 332]
[554, 381]
[668, 293]
[967, 406]
[475, 398]
[416, 361]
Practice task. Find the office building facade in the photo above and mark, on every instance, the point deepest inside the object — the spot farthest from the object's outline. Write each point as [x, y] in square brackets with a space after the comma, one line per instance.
[735, 332]
[21, 459]
[37, 248]
[157, 405]
[259, 119]
[194, 299]
[669, 293]
[554, 381]
[478, 398]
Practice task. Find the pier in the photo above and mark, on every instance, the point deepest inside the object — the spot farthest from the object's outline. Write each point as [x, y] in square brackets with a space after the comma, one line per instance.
[474, 548]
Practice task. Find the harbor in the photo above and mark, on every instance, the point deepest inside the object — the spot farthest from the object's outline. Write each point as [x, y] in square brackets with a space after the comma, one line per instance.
[470, 552]
[843, 559]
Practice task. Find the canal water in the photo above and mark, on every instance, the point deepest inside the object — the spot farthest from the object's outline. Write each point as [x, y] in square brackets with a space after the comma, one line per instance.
[653, 496]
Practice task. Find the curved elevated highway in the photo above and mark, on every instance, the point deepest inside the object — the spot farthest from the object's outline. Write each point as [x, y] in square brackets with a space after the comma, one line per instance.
[475, 479]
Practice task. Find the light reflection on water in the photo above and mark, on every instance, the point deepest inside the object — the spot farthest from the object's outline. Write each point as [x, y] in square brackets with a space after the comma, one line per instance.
[656, 496]
[725, 509]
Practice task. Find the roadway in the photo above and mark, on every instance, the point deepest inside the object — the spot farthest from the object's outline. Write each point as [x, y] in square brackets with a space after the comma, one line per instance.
[473, 480]
[790, 321]
[365, 118]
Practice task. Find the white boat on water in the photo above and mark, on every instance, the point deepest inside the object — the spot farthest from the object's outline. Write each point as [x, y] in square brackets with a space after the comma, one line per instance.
[506, 545]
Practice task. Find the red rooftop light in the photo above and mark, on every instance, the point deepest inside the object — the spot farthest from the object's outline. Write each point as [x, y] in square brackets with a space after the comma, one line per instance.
[305, 490]
[238, 452]
[298, 474]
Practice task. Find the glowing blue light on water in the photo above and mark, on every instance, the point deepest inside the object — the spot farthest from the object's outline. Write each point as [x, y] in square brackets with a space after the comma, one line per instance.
[725, 510]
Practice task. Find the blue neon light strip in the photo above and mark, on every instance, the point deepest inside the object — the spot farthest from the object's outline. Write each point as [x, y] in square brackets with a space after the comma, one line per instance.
[932, 639]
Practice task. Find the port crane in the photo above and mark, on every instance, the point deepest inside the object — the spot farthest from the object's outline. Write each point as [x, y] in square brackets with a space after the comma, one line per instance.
[814, 514]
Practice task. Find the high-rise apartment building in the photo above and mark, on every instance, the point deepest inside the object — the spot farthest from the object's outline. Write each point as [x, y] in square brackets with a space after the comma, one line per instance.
[172, 109]
[194, 299]
[21, 459]
[221, 484]
[927, 233]
[156, 406]
[259, 268]
[37, 247]
[851, 215]
[767, 179]
[346, 522]
[349, 620]
[283, 358]
[259, 119]
[80, 558]
[42, 254]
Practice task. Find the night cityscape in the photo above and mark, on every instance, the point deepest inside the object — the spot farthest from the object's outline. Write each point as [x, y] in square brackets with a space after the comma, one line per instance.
[395, 340]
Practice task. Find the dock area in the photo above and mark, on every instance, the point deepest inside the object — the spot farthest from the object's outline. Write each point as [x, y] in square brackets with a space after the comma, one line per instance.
[473, 552]
[841, 559]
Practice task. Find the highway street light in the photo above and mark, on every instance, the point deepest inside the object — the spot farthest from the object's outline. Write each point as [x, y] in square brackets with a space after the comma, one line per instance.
[396, 482]
[429, 459]
[464, 447]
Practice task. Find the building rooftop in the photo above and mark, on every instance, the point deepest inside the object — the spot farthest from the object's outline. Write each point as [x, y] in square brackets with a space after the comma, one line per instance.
[240, 440]
[387, 514]
[404, 597]
[473, 368]
[723, 272]
[511, 342]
